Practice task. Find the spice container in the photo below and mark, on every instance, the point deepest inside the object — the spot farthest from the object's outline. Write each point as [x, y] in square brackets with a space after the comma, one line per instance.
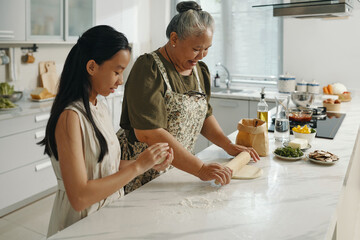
[313, 87]
[286, 83]
[301, 86]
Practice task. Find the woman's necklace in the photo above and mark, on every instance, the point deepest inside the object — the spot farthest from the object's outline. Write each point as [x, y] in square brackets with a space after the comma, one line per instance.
[186, 90]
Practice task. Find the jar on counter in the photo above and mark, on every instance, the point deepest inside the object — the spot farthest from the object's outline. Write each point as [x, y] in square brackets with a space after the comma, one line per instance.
[313, 87]
[301, 86]
[286, 83]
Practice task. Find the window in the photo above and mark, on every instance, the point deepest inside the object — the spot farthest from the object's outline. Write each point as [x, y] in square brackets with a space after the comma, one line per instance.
[247, 40]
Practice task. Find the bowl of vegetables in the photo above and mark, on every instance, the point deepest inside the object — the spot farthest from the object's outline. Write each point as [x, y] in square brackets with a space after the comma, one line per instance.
[288, 153]
[304, 132]
[7, 92]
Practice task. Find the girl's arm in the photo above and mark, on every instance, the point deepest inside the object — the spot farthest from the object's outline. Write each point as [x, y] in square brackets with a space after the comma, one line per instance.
[183, 159]
[82, 192]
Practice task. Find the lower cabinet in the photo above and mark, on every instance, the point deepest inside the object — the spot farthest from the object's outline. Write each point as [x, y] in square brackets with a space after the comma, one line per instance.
[114, 104]
[26, 173]
[228, 112]
[26, 184]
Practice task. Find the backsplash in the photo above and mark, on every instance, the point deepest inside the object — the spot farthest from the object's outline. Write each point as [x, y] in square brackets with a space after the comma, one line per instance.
[27, 74]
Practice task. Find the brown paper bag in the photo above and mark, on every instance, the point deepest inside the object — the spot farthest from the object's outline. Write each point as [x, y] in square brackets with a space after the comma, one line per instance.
[253, 133]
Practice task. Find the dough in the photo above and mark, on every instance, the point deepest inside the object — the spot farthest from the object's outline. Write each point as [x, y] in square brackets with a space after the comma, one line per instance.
[162, 157]
[241, 170]
[248, 172]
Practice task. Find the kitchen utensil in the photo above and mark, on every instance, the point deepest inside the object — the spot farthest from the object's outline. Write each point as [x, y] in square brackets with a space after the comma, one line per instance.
[28, 58]
[4, 59]
[49, 79]
[14, 97]
[239, 168]
[282, 127]
[302, 99]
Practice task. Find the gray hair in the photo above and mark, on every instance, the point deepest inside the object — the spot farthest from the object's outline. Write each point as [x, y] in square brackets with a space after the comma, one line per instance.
[190, 21]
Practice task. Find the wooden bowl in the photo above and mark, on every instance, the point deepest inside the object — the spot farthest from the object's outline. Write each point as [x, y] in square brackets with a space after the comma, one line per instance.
[332, 107]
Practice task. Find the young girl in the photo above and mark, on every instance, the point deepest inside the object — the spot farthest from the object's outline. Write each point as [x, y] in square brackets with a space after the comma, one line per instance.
[84, 150]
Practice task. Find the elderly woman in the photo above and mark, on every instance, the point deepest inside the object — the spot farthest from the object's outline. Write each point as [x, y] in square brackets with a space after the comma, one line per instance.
[167, 97]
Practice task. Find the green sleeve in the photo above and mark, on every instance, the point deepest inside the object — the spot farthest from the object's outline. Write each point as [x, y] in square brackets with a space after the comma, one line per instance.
[144, 105]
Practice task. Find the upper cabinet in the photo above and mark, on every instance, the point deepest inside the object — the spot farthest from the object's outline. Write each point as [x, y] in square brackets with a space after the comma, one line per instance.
[79, 16]
[45, 20]
[12, 20]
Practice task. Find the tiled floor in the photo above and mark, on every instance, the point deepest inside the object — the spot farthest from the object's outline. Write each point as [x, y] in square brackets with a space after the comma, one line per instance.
[30, 222]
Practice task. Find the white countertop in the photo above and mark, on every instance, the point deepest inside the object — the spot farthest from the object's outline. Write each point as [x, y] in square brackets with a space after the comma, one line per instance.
[26, 106]
[292, 200]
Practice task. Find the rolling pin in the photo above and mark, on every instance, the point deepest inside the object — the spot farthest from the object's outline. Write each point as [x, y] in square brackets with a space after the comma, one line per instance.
[237, 163]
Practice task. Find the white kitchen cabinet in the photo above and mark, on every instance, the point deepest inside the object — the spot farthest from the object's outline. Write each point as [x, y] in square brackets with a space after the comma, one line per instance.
[50, 21]
[26, 173]
[79, 16]
[201, 144]
[12, 20]
[116, 113]
[45, 20]
[228, 112]
[59, 20]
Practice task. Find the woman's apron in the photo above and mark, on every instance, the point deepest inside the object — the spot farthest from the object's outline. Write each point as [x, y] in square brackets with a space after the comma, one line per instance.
[186, 115]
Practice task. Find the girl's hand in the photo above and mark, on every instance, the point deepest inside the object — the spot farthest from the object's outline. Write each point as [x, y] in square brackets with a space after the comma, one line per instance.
[153, 154]
[215, 171]
[167, 162]
[234, 150]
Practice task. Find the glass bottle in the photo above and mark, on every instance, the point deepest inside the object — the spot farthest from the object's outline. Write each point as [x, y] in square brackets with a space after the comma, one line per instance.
[217, 80]
[282, 126]
[262, 108]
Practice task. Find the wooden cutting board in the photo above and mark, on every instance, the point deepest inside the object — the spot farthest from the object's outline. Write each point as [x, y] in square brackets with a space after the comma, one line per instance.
[48, 76]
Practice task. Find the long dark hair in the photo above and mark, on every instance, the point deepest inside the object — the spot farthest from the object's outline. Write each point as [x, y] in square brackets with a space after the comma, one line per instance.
[99, 43]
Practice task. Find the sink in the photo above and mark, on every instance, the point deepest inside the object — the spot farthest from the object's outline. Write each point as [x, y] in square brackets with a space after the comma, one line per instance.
[225, 91]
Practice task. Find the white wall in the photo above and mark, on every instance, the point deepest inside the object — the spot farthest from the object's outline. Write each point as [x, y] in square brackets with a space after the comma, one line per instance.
[327, 51]
[28, 74]
[142, 21]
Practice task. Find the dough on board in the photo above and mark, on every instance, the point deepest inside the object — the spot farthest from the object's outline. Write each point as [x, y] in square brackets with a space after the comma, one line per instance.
[248, 172]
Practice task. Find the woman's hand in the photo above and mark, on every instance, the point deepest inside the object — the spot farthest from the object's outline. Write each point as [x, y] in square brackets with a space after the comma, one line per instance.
[215, 171]
[234, 150]
[167, 162]
[153, 154]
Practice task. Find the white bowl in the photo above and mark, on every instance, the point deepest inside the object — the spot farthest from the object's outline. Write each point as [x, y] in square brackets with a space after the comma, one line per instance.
[308, 136]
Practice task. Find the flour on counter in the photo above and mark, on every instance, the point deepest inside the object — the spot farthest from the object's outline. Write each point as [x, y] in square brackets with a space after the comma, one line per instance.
[205, 200]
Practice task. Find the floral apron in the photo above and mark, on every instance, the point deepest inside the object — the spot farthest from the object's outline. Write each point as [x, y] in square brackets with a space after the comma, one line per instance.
[186, 115]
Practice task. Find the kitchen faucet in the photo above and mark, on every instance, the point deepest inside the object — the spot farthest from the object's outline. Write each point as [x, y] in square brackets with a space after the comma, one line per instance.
[228, 79]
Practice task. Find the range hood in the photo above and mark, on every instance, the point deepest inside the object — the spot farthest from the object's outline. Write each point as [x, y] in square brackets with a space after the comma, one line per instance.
[311, 8]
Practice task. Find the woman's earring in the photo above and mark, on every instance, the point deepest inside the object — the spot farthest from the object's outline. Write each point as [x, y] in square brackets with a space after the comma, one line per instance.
[174, 45]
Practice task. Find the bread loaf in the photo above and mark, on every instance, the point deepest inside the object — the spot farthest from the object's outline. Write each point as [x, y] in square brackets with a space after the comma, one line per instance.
[41, 93]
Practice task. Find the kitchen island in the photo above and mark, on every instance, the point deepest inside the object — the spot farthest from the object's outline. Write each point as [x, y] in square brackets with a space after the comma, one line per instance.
[292, 200]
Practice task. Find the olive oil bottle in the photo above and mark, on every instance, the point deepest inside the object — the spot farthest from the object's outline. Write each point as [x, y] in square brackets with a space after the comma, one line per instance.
[262, 108]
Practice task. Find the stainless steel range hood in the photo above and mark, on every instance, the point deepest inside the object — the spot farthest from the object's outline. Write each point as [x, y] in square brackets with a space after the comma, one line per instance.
[311, 8]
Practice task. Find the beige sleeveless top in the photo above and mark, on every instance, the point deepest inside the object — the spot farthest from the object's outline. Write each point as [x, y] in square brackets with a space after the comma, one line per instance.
[63, 215]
